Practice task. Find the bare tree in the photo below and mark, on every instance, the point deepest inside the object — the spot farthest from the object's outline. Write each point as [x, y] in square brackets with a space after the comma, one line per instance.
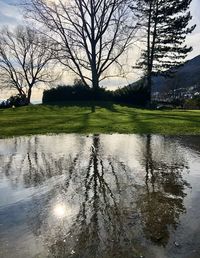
[24, 60]
[90, 35]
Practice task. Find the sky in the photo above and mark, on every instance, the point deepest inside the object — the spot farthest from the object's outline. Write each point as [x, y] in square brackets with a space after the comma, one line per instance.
[11, 14]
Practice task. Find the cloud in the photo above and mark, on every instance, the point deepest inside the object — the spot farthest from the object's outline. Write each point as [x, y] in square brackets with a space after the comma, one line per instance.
[193, 40]
[10, 13]
[195, 7]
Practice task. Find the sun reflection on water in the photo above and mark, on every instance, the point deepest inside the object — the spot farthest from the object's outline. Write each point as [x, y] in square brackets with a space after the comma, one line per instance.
[61, 210]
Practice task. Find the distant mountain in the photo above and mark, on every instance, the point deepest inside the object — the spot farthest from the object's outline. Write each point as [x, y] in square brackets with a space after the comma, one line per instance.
[187, 75]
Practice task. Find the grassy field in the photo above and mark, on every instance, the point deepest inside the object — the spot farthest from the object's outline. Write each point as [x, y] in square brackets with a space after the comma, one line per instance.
[107, 118]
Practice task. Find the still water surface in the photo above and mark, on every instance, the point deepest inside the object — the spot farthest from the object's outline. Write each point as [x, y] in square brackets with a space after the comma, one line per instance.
[123, 196]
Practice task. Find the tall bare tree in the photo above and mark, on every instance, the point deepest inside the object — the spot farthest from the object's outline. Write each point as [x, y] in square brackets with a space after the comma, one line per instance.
[24, 60]
[90, 35]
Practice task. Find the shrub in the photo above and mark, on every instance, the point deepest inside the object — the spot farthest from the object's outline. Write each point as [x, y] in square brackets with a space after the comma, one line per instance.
[133, 94]
[67, 93]
[16, 101]
[193, 103]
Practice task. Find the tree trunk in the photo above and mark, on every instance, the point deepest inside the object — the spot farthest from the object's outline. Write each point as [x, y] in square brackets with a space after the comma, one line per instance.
[149, 88]
[149, 67]
[95, 84]
[151, 57]
[29, 95]
[95, 79]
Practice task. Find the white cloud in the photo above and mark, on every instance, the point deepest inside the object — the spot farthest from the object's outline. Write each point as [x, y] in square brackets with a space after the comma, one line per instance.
[194, 41]
[10, 13]
[195, 7]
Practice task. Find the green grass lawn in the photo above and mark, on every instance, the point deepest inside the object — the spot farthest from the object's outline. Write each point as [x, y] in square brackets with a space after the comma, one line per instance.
[107, 118]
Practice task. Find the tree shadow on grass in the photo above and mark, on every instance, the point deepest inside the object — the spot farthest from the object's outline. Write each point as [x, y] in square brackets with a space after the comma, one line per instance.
[177, 117]
[180, 115]
[93, 105]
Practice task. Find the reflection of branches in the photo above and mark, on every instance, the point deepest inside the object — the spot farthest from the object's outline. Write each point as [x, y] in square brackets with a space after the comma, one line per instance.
[37, 219]
[89, 183]
[98, 225]
[162, 200]
[33, 167]
[98, 194]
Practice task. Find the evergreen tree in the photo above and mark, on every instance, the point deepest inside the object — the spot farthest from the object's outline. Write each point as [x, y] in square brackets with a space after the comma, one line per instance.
[166, 24]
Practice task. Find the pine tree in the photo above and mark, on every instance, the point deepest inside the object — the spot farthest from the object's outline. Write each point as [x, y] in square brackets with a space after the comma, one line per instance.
[166, 24]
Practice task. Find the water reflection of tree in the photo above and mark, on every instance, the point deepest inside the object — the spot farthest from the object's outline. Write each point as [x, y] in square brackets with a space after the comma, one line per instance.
[100, 228]
[100, 225]
[161, 200]
[32, 168]
[103, 191]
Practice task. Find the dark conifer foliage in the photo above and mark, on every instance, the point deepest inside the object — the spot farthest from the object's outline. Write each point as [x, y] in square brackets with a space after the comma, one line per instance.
[166, 25]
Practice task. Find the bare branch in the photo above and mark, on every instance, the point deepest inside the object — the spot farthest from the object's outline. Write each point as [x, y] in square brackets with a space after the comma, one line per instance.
[90, 35]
